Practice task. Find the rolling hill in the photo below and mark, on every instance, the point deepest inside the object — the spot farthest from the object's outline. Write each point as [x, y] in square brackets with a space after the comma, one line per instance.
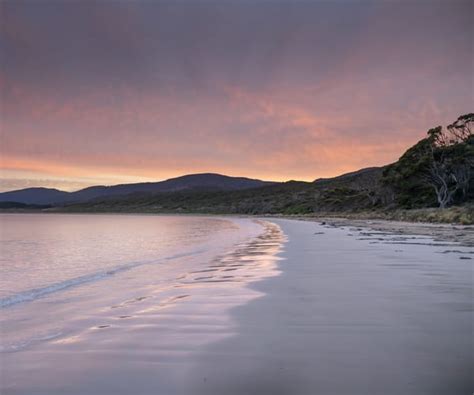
[191, 182]
[359, 190]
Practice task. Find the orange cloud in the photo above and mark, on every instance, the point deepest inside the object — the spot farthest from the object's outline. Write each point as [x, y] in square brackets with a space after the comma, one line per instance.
[278, 133]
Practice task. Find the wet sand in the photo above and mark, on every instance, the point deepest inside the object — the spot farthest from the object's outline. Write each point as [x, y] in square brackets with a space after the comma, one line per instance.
[342, 310]
[353, 312]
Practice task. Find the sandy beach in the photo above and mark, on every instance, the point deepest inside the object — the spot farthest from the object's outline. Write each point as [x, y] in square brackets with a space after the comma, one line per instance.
[352, 313]
[303, 309]
[204, 197]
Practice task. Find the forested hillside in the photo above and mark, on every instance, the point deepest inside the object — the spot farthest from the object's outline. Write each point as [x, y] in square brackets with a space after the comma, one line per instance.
[435, 172]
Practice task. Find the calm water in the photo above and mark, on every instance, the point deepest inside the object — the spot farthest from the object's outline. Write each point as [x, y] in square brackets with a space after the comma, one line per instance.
[89, 288]
[49, 258]
[42, 254]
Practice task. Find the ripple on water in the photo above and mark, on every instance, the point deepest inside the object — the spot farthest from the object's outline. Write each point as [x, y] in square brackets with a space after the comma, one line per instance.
[210, 292]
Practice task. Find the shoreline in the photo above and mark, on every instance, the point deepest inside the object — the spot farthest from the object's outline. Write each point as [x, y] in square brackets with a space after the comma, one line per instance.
[302, 307]
[349, 314]
[128, 323]
[463, 234]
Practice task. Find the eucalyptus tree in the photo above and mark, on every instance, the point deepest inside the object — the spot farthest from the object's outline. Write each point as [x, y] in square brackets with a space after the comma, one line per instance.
[439, 169]
[450, 165]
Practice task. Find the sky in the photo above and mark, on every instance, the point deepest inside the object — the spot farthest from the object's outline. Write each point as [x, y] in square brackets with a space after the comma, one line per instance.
[108, 92]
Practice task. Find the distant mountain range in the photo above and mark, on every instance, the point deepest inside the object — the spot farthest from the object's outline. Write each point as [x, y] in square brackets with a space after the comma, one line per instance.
[415, 181]
[191, 182]
[206, 193]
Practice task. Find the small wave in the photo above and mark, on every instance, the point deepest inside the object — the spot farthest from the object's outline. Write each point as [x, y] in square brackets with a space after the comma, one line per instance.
[33, 294]
[27, 343]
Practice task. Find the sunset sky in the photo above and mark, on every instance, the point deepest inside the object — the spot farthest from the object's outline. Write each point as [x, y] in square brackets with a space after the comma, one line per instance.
[109, 92]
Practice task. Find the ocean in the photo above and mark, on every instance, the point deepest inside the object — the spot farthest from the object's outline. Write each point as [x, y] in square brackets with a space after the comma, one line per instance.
[73, 284]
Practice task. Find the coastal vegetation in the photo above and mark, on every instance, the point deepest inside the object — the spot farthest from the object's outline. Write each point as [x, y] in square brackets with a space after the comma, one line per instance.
[438, 170]
[432, 181]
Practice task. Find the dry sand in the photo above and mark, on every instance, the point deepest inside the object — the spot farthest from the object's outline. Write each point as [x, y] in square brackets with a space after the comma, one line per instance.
[463, 234]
